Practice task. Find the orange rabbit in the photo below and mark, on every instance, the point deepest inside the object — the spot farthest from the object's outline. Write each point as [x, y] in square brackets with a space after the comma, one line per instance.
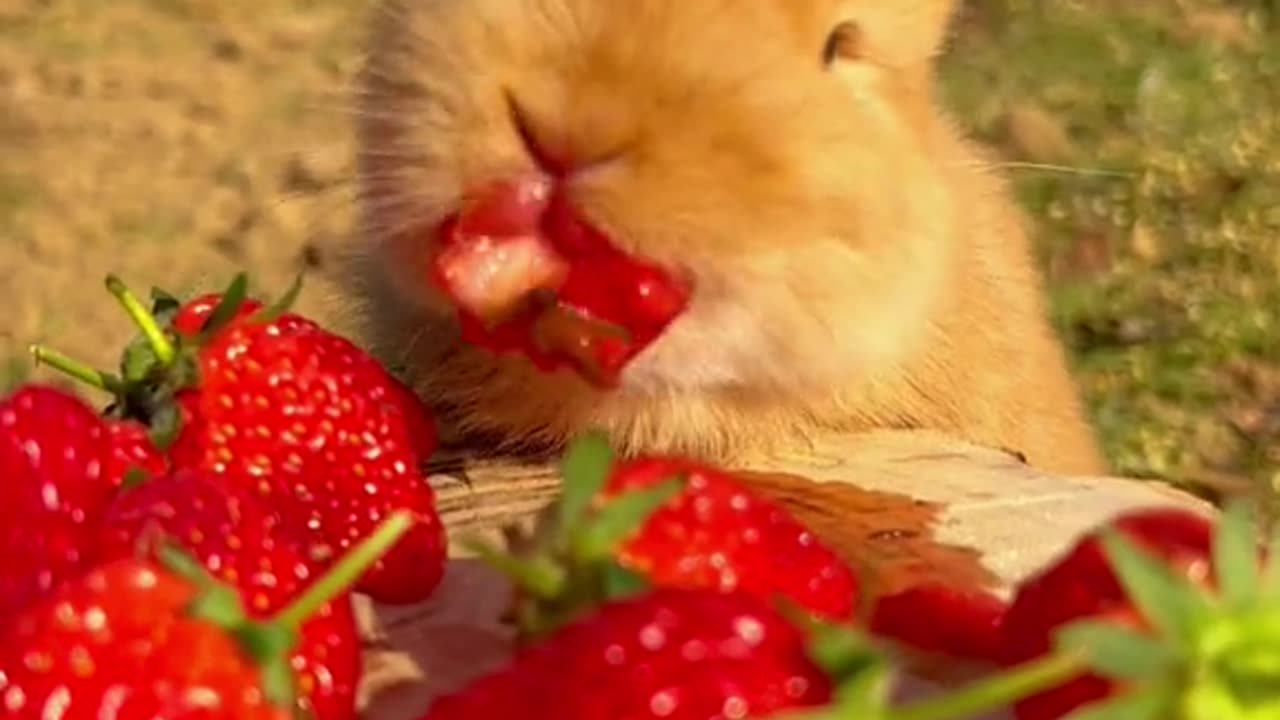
[857, 263]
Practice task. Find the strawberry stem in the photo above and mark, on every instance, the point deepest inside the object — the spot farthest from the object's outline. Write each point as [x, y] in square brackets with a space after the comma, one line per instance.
[75, 369]
[998, 691]
[350, 566]
[146, 322]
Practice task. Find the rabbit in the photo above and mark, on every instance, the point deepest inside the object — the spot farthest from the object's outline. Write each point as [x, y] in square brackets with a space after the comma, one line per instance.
[859, 263]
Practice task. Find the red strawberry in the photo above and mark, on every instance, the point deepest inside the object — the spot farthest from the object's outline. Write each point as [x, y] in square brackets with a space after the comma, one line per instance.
[119, 643]
[132, 449]
[1082, 584]
[296, 416]
[250, 548]
[60, 463]
[528, 274]
[719, 534]
[675, 654]
[666, 522]
[304, 418]
[141, 639]
[191, 317]
[937, 618]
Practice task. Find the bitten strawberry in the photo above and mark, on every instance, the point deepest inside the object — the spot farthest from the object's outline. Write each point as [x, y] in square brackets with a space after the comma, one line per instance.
[1083, 584]
[527, 274]
[717, 533]
[271, 402]
[251, 549]
[60, 463]
[672, 653]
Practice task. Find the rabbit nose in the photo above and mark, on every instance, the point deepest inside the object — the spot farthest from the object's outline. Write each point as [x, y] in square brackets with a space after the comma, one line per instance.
[565, 145]
[551, 157]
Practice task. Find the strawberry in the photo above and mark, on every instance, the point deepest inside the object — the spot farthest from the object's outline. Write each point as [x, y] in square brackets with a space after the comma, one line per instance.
[153, 636]
[1083, 584]
[717, 533]
[191, 317]
[250, 548]
[271, 402]
[118, 642]
[60, 463]
[527, 274]
[666, 522]
[938, 618]
[132, 450]
[671, 653]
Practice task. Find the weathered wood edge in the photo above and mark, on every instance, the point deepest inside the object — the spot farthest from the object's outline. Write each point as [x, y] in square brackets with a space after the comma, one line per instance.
[1016, 516]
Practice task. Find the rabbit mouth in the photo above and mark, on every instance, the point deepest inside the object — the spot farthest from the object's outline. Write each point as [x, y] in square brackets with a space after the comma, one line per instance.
[527, 275]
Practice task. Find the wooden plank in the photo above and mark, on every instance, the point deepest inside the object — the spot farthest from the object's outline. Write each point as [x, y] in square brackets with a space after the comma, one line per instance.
[904, 504]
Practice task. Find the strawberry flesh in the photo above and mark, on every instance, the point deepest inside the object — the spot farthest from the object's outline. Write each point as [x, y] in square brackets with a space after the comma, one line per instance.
[528, 275]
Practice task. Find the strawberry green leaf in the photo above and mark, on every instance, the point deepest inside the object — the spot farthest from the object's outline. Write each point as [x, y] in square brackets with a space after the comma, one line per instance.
[181, 563]
[620, 582]
[165, 426]
[1224, 701]
[133, 477]
[164, 305]
[228, 305]
[539, 578]
[1244, 650]
[76, 370]
[270, 644]
[841, 651]
[1154, 703]
[863, 696]
[621, 517]
[1117, 651]
[139, 361]
[281, 305]
[994, 692]
[218, 604]
[146, 322]
[1235, 556]
[585, 470]
[279, 681]
[1169, 602]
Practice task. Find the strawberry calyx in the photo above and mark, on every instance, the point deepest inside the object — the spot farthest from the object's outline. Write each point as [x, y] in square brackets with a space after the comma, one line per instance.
[269, 643]
[1201, 651]
[163, 362]
[569, 566]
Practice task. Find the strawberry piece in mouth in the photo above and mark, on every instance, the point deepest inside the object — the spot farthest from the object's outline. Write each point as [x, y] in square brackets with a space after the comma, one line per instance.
[526, 274]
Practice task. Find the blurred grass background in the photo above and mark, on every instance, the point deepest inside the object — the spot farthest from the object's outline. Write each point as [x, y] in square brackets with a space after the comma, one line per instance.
[176, 141]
